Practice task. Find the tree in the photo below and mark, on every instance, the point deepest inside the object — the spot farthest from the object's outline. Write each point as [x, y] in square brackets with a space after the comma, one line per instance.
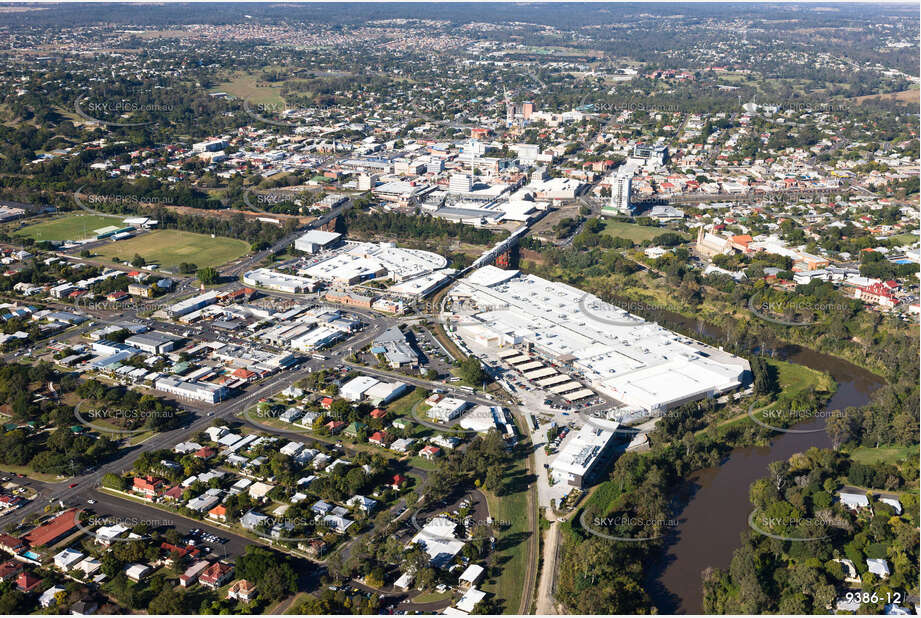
[471, 371]
[113, 481]
[208, 276]
[138, 261]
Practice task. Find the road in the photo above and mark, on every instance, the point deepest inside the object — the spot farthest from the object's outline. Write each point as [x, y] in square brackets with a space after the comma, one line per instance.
[122, 464]
[237, 269]
[545, 604]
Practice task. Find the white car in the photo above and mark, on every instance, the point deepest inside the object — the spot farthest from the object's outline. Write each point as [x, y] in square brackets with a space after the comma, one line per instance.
[91, 501]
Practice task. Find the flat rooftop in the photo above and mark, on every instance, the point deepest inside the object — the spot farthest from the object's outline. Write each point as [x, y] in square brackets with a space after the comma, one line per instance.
[639, 363]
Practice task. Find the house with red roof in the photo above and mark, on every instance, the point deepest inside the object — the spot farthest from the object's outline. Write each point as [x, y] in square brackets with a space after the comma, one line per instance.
[430, 452]
[244, 374]
[378, 413]
[326, 403]
[175, 551]
[26, 582]
[218, 513]
[876, 294]
[10, 569]
[11, 544]
[54, 530]
[398, 481]
[206, 452]
[216, 575]
[173, 494]
[379, 438]
[335, 426]
[147, 486]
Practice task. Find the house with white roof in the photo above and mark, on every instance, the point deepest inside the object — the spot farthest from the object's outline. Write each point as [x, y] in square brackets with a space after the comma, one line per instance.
[878, 566]
[853, 501]
[66, 559]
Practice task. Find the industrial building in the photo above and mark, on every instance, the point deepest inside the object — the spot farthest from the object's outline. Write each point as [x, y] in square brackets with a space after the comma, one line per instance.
[196, 391]
[153, 342]
[578, 463]
[280, 282]
[317, 240]
[361, 261]
[192, 304]
[638, 363]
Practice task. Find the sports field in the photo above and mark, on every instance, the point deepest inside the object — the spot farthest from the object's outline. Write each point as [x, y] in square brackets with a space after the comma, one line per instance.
[73, 227]
[169, 248]
[634, 232]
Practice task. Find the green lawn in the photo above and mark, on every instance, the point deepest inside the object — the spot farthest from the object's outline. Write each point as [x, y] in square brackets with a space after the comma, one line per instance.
[885, 454]
[169, 248]
[245, 86]
[404, 405]
[796, 379]
[513, 541]
[431, 597]
[904, 239]
[634, 232]
[75, 227]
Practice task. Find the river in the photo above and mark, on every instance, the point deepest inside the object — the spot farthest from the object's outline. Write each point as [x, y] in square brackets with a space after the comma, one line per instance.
[717, 507]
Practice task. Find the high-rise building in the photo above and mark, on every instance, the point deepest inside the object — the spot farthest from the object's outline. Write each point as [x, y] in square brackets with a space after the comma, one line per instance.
[435, 165]
[527, 108]
[460, 183]
[620, 194]
[366, 182]
[652, 153]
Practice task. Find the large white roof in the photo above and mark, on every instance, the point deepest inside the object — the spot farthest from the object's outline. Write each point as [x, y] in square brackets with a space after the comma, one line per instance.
[637, 362]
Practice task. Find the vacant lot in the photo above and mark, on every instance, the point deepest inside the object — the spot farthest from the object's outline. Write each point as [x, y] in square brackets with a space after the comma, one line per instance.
[169, 248]
[247, 86]
[73, 227]
[909, 96]
[634, 232]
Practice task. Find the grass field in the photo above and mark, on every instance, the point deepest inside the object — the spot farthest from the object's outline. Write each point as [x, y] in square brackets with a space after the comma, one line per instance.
[75, 227]
[513, 541]
[909, 96]
[244, 86]
[885, 454]
[169, 248]
[634, 232]
[904, 239]
[795, 381]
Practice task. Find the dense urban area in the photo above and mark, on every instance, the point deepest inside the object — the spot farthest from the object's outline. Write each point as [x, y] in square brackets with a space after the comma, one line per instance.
[459, 309]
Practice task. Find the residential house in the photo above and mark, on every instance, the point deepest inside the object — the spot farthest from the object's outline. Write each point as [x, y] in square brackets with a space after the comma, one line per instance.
[216, 575]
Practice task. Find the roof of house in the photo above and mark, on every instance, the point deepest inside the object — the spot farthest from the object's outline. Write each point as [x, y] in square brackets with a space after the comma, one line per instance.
[57, 527]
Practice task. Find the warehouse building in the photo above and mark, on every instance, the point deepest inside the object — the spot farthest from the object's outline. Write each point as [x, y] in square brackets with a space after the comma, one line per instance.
[281, 282]
[584, 455]
[196, 391]
[638, 363]
[192, 304]
[315, 241]
[153, 342]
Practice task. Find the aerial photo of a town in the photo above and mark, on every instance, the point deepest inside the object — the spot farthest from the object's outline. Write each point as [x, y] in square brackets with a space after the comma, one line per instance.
[459, 308]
